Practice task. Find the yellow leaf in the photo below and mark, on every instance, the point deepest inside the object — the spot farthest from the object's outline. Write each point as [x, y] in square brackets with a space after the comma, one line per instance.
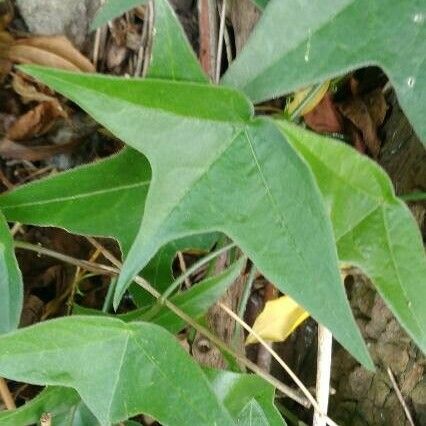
[278, 320]
[301, 95]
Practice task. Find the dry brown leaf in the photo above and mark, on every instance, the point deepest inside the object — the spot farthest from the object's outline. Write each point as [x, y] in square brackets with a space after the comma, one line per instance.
[29, 90]
[16, 151]
[367, 113]
[51, 51]
[36, 121]
[6, 41]
[325, 118]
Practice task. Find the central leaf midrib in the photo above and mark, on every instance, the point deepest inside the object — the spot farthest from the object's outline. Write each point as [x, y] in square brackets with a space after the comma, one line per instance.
[117, 368]
[76, 197]
[193, 183]
[237, 119]
[279, 214]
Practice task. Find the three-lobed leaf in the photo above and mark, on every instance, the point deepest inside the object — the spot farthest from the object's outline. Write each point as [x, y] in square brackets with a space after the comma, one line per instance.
[298, 43]
[119, 369]
[11, 288]
[108, 191]
[374, 230]
[216, 168]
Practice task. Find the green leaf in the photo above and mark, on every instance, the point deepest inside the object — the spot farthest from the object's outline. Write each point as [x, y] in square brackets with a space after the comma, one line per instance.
[239, 392]
[89, 200]
[374, 229]
[252, 414]
[194, 302]
[261, 4]
[217, 168]
[118, 369]
[173, 57]
[159, 269]
[57, 401]
[236, 391]
[112, 9]
[11, 288]
[106, 191]
[298, 43]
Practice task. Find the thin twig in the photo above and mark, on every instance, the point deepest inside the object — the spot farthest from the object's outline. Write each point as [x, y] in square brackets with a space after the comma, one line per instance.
[16, 228]
[280, 361]
[325, 341]
[6, 396]
[182, 265]
[207, 17]
[228, 48]
[149, 16]
[97, 43]
[264, 357]
[400, 397]
[108, 270]
[220, 42]
[89, 266]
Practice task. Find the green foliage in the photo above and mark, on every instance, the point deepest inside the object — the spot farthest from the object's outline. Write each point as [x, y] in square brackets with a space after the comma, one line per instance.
[241, 392]
[118, 369]
[237, 392]
[173, 57]
[11, 292]
[235, 148]
[194, 302]
[373, 228]
[294, 203]
[261, 4]
[298, 43]
[105, 191]
[54, 400]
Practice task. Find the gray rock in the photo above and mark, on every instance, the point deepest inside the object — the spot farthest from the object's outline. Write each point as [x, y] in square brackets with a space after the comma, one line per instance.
[51, 17]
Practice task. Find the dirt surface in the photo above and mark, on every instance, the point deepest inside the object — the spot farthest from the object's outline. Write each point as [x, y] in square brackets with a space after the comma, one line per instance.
[363, 397]
[366, 398]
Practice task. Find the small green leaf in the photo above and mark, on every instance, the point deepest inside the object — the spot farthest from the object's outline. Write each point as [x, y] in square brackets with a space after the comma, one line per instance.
[119, 369]
[252, 414]
[238, 391]
[89, 200]
[194, 302]
[112, 9]
[57, 401]
[106, 191]
[11, 288]
[301, 42]
[217, 168]
[172, 57]
[158, 272]
[261, 4]
[374, 229]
